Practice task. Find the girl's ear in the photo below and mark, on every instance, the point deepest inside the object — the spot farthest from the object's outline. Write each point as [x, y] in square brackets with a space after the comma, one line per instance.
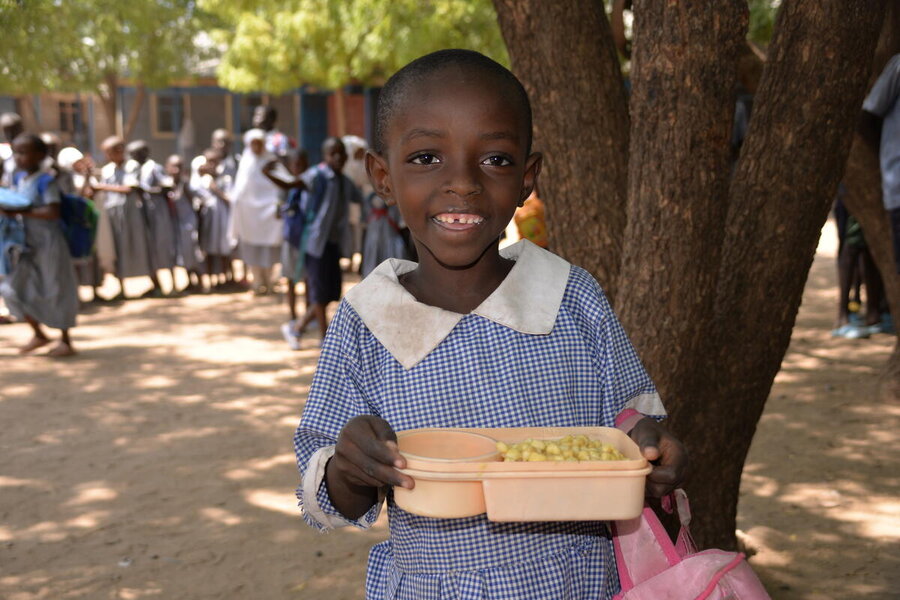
[532, 170]
[379, 177]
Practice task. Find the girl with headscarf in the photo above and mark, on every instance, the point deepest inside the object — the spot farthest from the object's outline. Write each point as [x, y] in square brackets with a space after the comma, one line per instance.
[255, 212]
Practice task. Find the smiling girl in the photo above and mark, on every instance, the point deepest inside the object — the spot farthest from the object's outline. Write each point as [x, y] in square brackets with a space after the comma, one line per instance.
[470, 336]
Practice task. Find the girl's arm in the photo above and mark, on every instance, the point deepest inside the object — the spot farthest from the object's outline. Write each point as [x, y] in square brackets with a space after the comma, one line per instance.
[49, 212]
[111, 187]
[296, 182]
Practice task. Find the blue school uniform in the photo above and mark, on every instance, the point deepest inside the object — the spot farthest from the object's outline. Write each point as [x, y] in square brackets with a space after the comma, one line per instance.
[42, 283]
[544, 349]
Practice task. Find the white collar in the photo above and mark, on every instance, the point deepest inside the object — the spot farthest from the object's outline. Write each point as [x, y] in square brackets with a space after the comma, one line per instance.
[527, 301]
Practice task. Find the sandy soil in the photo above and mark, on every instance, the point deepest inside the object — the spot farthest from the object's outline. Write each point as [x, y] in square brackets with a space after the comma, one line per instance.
[158, 463]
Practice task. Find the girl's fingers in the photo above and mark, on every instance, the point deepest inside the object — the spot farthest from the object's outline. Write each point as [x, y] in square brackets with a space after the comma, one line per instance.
[375, 460]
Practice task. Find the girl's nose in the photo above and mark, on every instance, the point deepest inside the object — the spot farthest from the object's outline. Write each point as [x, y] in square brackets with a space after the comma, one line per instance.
[463, 180]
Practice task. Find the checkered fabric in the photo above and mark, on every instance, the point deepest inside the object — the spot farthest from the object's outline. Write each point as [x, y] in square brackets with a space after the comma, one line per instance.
[482, 375]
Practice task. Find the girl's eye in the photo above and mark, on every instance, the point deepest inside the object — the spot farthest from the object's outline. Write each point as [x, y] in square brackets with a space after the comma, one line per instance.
[497, 161]
[425, 159]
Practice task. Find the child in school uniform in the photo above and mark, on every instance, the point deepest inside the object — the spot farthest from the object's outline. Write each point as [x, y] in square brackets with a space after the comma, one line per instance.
[211, 187]
[294, 228]
[122, 233]
[186, 225]
[470, 336]
[41, 289]
[254, 212]
[328, 235]
[160, 226]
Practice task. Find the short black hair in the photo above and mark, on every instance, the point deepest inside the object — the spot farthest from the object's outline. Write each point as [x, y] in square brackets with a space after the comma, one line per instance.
[399, 85]
[331, 141]
[34, 140]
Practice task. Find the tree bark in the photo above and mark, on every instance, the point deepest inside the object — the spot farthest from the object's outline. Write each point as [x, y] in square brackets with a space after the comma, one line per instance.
[564, 55]
[108, 99]
[135, 110]
[712, 272]
[684, 67]
[863, 200]
[784, 184]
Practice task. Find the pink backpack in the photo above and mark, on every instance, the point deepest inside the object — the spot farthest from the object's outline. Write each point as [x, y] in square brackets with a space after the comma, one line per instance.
[652, 568]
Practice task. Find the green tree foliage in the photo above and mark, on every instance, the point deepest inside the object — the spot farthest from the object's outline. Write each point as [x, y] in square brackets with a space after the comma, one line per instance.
[762, 20]
[89, 45]
[276, 45]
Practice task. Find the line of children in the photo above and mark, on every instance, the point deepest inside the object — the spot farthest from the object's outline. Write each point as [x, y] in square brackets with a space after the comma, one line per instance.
[467, 337]
[154, 218]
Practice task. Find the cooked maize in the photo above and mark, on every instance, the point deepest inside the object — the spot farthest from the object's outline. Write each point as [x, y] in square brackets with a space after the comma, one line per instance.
[567, 449]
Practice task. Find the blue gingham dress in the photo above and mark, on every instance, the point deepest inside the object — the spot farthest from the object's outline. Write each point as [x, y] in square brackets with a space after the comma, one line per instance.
[482, 374]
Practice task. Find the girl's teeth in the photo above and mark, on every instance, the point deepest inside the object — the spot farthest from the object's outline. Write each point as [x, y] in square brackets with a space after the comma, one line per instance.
[463, 220]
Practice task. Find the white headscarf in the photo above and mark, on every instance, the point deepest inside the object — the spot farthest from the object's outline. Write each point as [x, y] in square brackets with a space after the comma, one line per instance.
[68, 156]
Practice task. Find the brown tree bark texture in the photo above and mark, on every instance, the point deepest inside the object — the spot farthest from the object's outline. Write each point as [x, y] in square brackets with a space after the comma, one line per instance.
[784, 184]
[862, 178]
[682, 104]
[564, 55]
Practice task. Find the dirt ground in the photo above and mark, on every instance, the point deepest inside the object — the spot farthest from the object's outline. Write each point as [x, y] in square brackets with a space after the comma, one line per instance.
[158, 463]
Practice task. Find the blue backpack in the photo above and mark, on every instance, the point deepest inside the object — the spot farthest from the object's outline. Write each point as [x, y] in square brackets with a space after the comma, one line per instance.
[78, 220]
[79, 224]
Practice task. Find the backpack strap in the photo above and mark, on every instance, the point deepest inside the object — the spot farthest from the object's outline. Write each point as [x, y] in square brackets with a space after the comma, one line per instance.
[643, 549]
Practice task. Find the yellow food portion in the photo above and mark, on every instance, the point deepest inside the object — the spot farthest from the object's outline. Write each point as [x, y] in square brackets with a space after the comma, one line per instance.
[572, 448]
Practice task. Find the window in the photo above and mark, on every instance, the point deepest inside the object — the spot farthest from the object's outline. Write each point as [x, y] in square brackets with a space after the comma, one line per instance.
[166, 115]
[70, 117]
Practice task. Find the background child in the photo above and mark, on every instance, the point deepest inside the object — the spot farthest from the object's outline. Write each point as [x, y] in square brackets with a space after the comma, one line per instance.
[157, 213]
[211, 189]
[254, 212]
[329, 237]
[41, 289]
[468, 337]
[122, 220]
[186, 227]
[295, 222]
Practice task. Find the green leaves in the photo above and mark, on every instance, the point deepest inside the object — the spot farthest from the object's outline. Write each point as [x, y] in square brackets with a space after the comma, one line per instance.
[76, 45]
[277, 46]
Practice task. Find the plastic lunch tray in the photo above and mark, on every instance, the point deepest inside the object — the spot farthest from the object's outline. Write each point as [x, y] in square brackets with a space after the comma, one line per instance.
[479, 482]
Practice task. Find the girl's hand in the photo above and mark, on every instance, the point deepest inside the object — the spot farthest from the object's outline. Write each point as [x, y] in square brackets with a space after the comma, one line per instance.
[667, 454]
[366, 455]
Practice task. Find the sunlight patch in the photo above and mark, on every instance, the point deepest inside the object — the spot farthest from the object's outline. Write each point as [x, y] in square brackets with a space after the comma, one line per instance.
[277, 501]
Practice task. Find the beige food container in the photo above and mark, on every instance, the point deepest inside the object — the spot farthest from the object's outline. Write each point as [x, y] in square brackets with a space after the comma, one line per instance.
[459, 473]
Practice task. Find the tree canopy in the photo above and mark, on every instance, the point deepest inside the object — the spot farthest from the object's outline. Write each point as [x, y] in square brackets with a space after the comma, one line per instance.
[89, 45]
[274, 46]
[73, 45]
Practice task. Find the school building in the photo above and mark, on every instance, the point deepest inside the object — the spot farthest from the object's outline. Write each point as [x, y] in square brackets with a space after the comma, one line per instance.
[180, 119]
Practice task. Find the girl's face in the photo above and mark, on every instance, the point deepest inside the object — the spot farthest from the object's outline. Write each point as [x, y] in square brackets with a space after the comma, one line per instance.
[209, 166]
[257, 146]
[116, 153]
[173, 167]
[456, 166]
[27, 157]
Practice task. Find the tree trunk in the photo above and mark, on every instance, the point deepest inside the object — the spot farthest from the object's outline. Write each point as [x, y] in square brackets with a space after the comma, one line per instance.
[684, 66]
[135, 110]
[108, 94]
[863, 200]
[783, 186]
[30, 120]
[714, 346]
[564, 55]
